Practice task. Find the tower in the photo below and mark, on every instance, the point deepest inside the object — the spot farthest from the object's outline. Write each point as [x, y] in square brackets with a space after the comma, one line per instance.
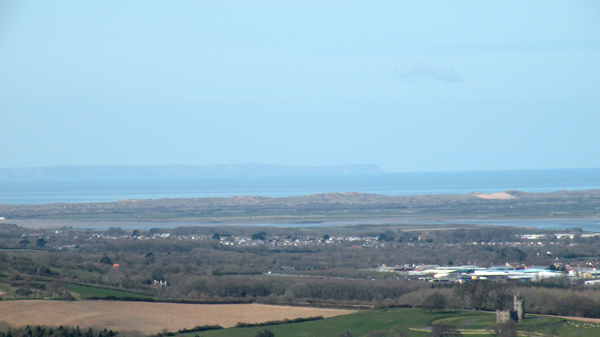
[519, 307]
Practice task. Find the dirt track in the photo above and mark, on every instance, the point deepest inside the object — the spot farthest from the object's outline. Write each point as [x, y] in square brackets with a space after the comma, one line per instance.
[572, 318]
[147, 317]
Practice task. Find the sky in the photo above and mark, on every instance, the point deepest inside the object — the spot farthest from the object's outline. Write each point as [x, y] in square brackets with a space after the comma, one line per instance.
[409, 86]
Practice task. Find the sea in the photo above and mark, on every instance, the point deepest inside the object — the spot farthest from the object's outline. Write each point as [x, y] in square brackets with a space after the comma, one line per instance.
[33, 192]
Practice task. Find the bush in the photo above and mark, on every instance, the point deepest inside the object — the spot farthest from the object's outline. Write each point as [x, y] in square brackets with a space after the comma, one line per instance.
[24, 292]
[285, 321]
[265, 333]
[195, 329]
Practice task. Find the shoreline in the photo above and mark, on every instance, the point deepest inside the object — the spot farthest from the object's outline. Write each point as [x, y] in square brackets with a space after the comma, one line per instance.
[592, 225]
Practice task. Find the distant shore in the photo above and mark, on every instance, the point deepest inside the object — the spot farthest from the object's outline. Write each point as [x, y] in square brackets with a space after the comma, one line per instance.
[347, 207]
[591, 225]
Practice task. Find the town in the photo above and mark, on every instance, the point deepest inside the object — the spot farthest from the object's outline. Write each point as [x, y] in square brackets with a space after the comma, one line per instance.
[546, 246]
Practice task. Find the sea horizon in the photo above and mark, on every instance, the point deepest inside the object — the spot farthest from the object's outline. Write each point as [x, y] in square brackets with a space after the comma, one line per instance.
[40, 191]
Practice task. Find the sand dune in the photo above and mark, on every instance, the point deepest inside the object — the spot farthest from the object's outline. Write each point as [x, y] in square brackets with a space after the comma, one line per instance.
[498, 196]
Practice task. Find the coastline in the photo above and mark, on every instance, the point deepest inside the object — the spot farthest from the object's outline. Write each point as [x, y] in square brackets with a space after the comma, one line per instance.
[590, 225]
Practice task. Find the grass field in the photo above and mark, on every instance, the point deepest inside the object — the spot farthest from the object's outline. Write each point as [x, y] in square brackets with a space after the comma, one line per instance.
[89, 292]
[361, 323]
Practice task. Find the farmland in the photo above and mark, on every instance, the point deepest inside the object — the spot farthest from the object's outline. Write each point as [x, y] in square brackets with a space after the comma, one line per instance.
[152, 318]
[147, 317]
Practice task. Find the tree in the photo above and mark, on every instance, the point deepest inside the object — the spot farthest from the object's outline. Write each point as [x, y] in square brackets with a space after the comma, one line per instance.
[58, 288]
[113, 231]
[434, 303]
[476, 291]
[153, 231]
[444, 330]
[501, 295]
[135, 233]
[216, 236]
[385, 237]
[577, 306]
[326, 237]
[264, 333]
[106, 260]
[40, 242]
[259, 236]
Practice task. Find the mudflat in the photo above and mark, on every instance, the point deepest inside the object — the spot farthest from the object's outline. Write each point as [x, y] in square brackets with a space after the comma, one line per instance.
[148, 317]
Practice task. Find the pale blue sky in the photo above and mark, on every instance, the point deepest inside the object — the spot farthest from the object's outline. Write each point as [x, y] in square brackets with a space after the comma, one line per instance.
[406, 85]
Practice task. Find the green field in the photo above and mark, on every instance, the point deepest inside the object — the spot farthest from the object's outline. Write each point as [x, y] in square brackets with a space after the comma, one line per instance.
[361, 323]
[90, 292]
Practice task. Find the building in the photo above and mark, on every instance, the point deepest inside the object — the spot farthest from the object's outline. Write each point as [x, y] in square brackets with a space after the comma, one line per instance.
[517, 314]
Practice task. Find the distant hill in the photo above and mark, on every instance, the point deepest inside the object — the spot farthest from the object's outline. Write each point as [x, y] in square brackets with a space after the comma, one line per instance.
[178, 171]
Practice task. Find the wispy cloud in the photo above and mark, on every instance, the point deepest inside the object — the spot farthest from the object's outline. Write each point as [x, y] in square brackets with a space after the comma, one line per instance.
[412, 71]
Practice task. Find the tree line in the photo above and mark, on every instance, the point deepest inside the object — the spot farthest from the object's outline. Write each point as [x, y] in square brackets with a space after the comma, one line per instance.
[61, 331]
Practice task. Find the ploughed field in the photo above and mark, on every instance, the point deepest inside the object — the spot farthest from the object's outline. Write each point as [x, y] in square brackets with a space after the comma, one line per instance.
[148, 317]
